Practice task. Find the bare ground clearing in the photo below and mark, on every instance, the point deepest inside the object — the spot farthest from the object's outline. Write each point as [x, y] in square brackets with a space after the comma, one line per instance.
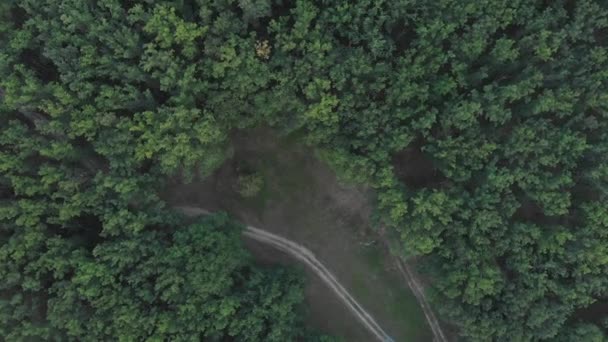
[302, 201]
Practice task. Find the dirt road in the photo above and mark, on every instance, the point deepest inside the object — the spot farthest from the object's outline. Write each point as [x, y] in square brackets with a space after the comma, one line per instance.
[307, 257]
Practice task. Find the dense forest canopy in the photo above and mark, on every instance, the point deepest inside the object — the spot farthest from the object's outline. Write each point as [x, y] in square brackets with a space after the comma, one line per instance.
[481, 126]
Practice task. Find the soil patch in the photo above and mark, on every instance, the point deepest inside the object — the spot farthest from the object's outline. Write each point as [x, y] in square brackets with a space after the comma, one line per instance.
[302, 200]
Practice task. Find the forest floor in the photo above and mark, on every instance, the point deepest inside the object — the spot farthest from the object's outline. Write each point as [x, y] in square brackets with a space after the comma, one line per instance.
[301, 200]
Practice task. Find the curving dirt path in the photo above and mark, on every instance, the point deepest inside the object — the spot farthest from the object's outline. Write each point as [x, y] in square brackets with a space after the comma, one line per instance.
[306, 256]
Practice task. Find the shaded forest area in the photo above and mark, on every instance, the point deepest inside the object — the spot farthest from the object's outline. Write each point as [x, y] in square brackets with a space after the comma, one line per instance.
[480, 125]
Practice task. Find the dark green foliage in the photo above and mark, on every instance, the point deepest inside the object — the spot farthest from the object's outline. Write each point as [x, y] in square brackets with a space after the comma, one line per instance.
[100, 100]
[198, 282]
[505, 100]
[195, 281]
[508, 99]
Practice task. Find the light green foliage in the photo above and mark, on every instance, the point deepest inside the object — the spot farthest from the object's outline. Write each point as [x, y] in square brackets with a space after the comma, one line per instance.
[506, 102]
[250, 185]
[180, 137]
[170, 30]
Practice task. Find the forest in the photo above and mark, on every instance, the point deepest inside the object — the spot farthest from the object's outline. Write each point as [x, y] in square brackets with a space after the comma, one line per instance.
[481, 126]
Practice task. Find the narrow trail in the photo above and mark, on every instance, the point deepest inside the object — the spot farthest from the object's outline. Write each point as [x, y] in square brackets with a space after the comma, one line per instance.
[306, 256]
[418, 291]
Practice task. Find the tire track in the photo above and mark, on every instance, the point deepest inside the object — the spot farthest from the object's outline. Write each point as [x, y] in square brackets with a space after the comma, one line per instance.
[418, 291]
[306, 256]
[354, 307]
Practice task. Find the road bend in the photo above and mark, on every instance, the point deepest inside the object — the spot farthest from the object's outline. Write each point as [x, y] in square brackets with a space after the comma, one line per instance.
[307, 257]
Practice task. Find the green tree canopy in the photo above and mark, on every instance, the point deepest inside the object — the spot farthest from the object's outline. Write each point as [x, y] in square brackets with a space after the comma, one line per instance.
[481, 126]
